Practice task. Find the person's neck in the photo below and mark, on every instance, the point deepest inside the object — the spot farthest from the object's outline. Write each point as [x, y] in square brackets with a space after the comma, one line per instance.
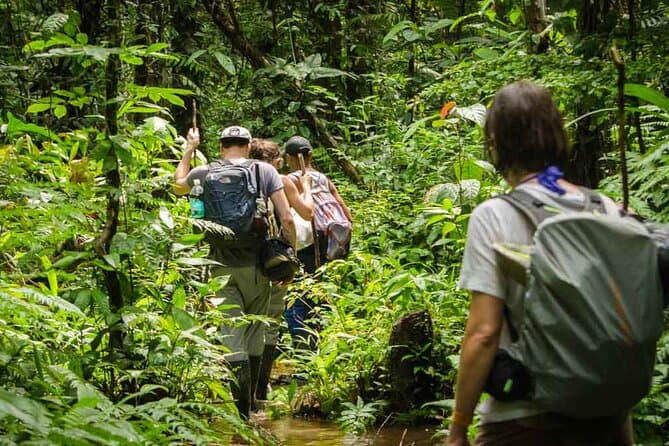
[233, 153]
[515, 179]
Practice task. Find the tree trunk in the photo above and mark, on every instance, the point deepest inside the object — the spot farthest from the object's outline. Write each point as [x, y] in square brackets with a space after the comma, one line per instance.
[410, 356]
[113, 176]
[535, 17]
[90, 12]
[226, 21]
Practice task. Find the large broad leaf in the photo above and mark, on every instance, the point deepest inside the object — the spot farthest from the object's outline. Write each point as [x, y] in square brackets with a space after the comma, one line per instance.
[16, 127]
[486, 53]
[649, 95]
[470, 189]
[166, 217]
[468, 169]
[184, 320]
[395, 30]
[465, 189]
[225, 62]
[436, 26]
[475, 113]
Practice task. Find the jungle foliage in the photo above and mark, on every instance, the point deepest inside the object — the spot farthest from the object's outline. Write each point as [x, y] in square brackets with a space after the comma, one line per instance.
[107, 330]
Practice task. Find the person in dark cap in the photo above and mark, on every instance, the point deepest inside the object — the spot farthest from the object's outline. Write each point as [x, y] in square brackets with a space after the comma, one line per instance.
[329, 211]
[247, 290]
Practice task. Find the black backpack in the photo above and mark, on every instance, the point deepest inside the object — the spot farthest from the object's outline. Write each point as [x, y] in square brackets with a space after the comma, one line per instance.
[230, 194]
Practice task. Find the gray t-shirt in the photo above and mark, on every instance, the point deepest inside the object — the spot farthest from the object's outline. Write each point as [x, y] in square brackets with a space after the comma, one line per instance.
[497, 221]
[270, 182]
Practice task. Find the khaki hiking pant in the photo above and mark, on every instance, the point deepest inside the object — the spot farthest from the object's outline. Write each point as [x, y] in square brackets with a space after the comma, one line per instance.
[246, 292]
[276, 313]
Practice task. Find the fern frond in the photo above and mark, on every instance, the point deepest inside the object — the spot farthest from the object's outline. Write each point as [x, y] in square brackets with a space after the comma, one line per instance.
[55, 22]
[50, 301]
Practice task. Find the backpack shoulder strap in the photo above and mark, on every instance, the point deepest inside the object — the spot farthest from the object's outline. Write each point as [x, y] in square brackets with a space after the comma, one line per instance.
[593, 201]
[536, 210]
[532, 208]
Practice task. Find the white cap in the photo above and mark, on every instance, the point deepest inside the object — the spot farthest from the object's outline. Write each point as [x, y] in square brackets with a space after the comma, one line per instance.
[235, 133]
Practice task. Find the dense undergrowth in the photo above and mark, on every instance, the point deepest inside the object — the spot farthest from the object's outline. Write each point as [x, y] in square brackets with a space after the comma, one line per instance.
[75, 369]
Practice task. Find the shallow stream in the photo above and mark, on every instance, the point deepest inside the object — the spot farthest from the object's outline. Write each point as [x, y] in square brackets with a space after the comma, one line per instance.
[300, 432]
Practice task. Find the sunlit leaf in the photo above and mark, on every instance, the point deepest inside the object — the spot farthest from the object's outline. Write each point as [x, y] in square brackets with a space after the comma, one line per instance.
[38, 107]
[475, 113]
[166, 217]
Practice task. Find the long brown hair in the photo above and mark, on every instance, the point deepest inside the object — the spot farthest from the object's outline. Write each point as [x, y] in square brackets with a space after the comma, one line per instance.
[524, 130]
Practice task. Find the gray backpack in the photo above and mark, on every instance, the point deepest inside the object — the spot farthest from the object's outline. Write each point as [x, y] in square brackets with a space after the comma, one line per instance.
[230, 193]
[592, 311]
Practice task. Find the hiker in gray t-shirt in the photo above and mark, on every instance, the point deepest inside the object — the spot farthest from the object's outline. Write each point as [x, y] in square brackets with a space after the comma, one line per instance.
[247, 290]
[527, 143]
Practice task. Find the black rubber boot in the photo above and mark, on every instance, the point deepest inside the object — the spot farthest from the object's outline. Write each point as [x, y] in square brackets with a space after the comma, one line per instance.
[265, 371]
[254, 362]
[241, 390]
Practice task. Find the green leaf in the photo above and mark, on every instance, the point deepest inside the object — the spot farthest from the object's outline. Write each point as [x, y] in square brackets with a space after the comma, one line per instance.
[395, 30]
[413, 128]
[468, 169]
[179, 298]
[225, 62]
[4, 238]
[60, 111]
[486, 53]
[649, 95]
[411, 35]
[173, 99]
[39, 107]
[166, 217]
[475, 113]
[470, 188]
[194, 56]
[15, 127]
[131, 59]
[32, 414]
[113, 260]
[436, 26]
[184, 320]
[70, 259]
[156, 47]
[195, 261]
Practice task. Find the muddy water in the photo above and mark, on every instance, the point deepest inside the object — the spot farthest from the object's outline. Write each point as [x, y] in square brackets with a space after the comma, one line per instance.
[299, 432]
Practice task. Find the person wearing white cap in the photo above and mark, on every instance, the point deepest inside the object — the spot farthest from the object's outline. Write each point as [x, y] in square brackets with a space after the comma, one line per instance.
[247, 290]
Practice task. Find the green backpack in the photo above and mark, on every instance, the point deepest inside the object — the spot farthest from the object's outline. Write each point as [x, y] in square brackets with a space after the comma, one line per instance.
[592, 311]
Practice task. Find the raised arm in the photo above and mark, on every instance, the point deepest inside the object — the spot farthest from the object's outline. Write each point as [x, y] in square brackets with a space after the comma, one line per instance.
[181, 186]
[302, 203]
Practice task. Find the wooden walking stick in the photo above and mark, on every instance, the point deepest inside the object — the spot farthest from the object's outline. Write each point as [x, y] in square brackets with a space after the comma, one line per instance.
[194, 126]
[622, 134]
[317, 246]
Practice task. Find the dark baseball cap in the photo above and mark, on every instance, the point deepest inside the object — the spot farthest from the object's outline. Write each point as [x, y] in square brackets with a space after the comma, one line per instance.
[297, 144]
